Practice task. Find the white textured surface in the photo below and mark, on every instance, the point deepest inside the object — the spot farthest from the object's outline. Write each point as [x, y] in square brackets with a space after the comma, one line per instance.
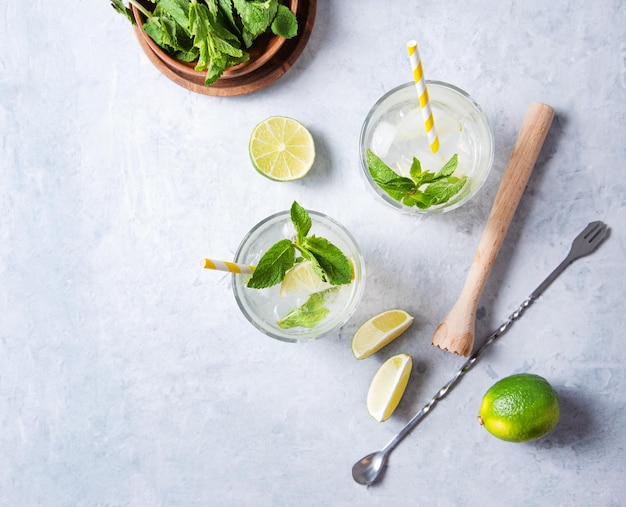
[127, 375]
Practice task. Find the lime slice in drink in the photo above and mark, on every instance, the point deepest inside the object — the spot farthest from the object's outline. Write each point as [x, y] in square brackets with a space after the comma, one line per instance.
[379, 331]
[302, 278]
[388, 386]
[281, 149]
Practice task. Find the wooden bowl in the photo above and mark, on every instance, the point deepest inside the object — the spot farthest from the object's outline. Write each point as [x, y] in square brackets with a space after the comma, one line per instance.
[253, 81]
[262, 50]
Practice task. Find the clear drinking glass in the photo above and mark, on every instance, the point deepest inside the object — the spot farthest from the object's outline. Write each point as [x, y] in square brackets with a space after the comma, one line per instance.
[264, 307]
[394, 130]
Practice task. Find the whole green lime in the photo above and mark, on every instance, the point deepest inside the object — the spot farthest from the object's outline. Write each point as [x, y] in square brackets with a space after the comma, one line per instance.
[520, 408]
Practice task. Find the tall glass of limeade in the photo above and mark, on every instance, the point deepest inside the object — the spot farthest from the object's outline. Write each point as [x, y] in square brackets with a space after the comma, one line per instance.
[394, 130]
[264, 308]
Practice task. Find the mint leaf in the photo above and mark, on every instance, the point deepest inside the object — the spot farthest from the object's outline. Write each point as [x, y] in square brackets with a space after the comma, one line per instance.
[199, 28]
[449, 167]
[273, 265]
[218, 47]
[285, 23]
[379, 171]
[221, 40]
[389, 181]
[416, 170]
[311, 313]
[178, 10]
[443, 190]
[256, 16]
[398, 188]
[157, 32]
[301, 221]
[226, 7]
[170, 35]
[424, 189]
[418, 199]
[212, 5]
[335, 266]
[421, 177]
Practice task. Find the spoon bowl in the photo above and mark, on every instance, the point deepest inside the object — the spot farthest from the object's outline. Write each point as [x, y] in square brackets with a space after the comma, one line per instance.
[368, 469]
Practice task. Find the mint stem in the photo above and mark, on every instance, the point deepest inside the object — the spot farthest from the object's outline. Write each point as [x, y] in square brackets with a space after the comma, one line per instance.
[141, 8]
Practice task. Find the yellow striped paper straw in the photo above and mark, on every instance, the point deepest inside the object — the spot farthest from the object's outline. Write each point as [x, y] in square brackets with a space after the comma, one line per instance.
[422, 92]
[230, 267]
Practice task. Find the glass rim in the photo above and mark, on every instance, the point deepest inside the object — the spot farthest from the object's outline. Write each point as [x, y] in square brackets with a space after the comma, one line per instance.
[429, 82]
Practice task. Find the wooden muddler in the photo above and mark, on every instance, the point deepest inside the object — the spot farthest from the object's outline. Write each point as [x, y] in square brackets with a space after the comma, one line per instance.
[456, 332]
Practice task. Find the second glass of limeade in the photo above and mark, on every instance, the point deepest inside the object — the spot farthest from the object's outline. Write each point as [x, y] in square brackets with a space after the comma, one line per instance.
[316, 308]
[394, 131]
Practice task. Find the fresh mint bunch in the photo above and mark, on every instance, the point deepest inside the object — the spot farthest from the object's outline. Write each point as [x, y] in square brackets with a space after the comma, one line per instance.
[423, 189]
[329, 263]
[214, 33]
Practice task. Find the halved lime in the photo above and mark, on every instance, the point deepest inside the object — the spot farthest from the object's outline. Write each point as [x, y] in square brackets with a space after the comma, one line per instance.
[281, 148]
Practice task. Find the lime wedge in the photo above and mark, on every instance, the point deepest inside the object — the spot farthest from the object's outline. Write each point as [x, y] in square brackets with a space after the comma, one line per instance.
[281, 149]
[388, 386]
[379, 331]
[302, 278]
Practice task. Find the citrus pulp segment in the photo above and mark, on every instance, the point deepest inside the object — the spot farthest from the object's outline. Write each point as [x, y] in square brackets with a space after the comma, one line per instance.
[520, 408]
[379, 331]
[281, 148]
[388, 386]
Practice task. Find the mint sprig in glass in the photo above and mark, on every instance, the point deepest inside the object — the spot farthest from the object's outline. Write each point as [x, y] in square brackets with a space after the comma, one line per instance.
[329, 263]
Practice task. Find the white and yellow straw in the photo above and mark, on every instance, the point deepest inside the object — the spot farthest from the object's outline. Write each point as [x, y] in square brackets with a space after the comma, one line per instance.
[230, 267]
[422, 92]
